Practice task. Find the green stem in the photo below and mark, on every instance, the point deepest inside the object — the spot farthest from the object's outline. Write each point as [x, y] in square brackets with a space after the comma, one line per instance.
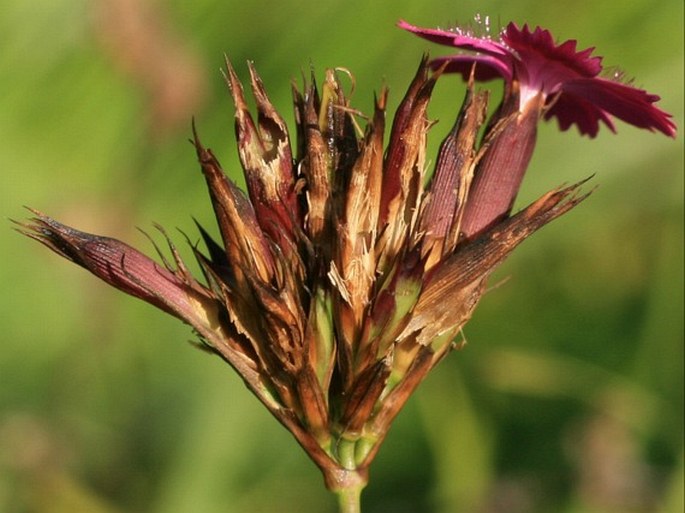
[348, 499]
[347, 484]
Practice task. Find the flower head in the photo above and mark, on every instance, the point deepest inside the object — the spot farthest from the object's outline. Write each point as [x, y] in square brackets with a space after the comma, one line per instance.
[340, 280]
[343, 276]
[568, 80]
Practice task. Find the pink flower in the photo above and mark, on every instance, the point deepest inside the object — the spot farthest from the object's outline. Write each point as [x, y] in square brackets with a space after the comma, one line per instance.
[543, 80]
[568, 80]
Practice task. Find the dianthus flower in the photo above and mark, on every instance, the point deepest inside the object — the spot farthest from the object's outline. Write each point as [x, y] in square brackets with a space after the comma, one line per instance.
[543, 80]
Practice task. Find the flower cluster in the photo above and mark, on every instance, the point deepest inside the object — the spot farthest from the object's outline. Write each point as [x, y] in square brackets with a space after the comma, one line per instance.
[344, 276]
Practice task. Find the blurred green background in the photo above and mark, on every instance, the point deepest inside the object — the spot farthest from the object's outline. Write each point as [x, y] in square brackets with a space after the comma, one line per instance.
[569, 395]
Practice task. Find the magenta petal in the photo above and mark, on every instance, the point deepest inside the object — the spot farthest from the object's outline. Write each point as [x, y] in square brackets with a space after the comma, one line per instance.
[569, 110]
[458, 40]
[442, 37]
[487, 67]
[539, 46]
[632, 105]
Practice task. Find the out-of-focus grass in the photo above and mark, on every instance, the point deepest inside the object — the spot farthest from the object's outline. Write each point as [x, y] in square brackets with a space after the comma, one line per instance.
[569, 396]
